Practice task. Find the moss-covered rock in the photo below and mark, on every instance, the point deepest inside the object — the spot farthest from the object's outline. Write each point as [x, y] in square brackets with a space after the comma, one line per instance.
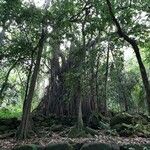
[104, 125]
[127, 125]
[99, 146]
[63, 146]
[135, 147]
[68, 121]
[8, 124]
[91, 131]
[77, 146]
[111, 132]
[94, 120]
[140, 119]
[75, 133]
[144, 129]
[121, 118]
[56, 128]
[29, 147]
[3, 128]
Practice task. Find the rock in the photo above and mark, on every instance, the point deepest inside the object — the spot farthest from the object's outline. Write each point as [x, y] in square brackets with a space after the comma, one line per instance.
[121, 118]
[111, 132]
[77, 146]
[99, 146]
[29, 147]
[124, 129]
[75, 133]
[8, 124]
[103, 125]
[7, 135]
[56, 128]
[135, 147]
[63, 146]
[91, 131]
[128, 125]
[68, 121]
[3, 128]
[140, 119]
[94, 120]
[9, 121]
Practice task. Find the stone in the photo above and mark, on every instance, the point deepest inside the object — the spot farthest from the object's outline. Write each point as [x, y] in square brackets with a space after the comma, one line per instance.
[63, 146]
[135, 147]
[29, 147]
[121, 118]
[99, 146]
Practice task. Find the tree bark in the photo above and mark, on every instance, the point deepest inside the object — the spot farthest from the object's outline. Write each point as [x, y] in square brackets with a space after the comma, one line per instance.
[106, 79]
[25, 126]
[79, 99]
[136, 49]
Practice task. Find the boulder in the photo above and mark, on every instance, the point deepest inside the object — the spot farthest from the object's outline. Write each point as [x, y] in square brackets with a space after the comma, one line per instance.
[121, 118]
[91, 131]
[135, 147]
[124, 129]
[29, 147]
[63, 146]
[56, 128]
[75, 133]
[77, 146]
[94, 120]
[99, 146]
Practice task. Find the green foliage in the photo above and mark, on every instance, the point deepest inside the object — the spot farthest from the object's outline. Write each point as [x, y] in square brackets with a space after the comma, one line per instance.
[79, 35]
[10, 112]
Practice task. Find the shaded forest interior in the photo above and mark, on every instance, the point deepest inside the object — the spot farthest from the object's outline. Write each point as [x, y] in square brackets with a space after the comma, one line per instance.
[74, 69]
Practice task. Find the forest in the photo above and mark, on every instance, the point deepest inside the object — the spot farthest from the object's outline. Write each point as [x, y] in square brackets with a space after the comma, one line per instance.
[74, 74]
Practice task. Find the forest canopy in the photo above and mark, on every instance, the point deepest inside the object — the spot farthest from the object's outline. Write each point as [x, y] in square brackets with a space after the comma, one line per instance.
[73, 58]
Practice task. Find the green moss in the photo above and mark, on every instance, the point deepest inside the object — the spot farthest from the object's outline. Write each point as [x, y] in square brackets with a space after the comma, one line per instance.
[77, 146]
[63, 146]
[99, 146]
[91, 131]
[94, 120]
[3, 128]
[56, 128]
[135, 147]
[112, 132]
[121, 118]
[75, 133]
[28, 147]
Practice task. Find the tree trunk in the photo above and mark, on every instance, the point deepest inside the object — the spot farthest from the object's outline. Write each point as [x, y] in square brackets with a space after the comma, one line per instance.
[120, 85]
[134, 44]
[25, 125]
[79, 100]
[106, 79]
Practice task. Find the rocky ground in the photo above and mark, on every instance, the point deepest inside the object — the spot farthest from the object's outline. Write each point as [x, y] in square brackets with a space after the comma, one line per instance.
[122, 129]
[8, 144]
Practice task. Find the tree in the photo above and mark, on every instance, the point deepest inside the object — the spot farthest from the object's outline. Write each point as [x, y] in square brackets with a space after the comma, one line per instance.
[25, 125]
[136, 49]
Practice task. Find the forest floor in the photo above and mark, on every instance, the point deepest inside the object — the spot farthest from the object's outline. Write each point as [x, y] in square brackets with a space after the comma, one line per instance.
[51, 130]
[8, 144]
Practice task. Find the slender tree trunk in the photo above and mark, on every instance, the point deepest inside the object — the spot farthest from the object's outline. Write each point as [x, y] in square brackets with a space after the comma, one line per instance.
[106, 79]
[25, 125]
[120, 85]
[79, 99]
[134, 44]
[29, 75]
